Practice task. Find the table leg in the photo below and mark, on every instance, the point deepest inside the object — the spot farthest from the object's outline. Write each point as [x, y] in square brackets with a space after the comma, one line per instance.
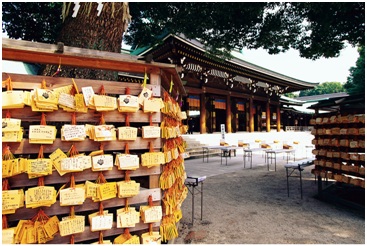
[287, 180]
[275, 161]
[300, 179]
[193, 205]
[251, 159]
[202, 199]
[244, 159]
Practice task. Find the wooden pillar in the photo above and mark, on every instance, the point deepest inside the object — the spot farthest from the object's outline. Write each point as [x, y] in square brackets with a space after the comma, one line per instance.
[154, 79]
[251, 114]
[278, 118]
[228, 114]
[202, 113]
[267, 116]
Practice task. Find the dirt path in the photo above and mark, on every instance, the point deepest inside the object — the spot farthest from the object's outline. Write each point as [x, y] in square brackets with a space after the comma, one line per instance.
[250, 206]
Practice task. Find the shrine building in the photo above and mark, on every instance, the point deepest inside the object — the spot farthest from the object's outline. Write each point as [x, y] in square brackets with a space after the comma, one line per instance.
[233, 92]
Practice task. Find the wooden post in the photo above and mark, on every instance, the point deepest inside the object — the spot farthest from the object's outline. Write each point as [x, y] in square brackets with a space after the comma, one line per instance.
[228, 114]
[251, 114]
[202, 114]
[154, 79]
[154, 181]
[267, 116]
[278, 118]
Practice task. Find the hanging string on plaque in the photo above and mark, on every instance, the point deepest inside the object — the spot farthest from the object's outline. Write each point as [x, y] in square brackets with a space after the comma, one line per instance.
[127, 162]
[12, 131]
[127, 115]
[150, 204]
[127, 172]
[100, 241]
[151, 214]
[41, 180]
[44, 228]
[6, 187]
[73, 195]
[13, 99]
[80, 105]
[8, 84]
[58, 70]
[12, 166]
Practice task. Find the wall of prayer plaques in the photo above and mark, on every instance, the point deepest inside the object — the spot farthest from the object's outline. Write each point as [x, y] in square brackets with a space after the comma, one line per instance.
[88, 161]
[340, 147]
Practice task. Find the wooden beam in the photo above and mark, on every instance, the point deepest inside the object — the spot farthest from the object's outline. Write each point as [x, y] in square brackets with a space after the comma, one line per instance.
[33, 52]
[21, 180]
[26, 114]
[194, 91]
[215, 91]
[24, 147]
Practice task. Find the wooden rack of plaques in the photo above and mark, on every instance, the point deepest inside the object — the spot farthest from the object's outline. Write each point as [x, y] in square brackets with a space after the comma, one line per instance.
[339, 147]
[160, 77]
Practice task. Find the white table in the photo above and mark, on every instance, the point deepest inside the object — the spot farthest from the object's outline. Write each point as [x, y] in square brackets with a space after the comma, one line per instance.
[271, 155]
[225, 152]
[294, 166]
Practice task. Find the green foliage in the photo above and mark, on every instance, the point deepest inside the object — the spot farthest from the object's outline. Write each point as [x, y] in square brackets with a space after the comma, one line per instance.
[290, 95]
[32, 21]
[324, 88]
[356, 80]
[317, 29]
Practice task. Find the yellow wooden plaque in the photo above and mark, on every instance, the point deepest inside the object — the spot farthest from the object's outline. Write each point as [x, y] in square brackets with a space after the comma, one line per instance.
[127, 188]
[71, 225]
[144, 94]
[128, 103]
[127, 218]
[154, 238]
[72, 196]
[40, 196]
[127, 133]
[150, 214]
[12, 99]
[102, 162]
[106, 191]
[127, 161]
[153, 105]
[151, 132]
[73, 132]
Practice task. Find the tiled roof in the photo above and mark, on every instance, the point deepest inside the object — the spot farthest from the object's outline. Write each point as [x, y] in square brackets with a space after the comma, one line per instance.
[196, 43]
[322, 97]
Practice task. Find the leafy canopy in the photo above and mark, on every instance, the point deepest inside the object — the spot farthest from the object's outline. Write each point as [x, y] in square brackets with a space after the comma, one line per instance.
[356, 80]
[32, 21]
[317, 29]
[324, 88]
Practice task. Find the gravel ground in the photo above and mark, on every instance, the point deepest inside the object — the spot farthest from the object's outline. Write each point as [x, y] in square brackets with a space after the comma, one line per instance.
[251, 206]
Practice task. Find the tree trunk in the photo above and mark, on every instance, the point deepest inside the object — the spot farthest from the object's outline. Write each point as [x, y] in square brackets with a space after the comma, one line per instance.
[87, 30]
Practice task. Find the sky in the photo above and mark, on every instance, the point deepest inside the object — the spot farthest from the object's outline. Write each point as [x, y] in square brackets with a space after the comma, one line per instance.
[292, 65]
